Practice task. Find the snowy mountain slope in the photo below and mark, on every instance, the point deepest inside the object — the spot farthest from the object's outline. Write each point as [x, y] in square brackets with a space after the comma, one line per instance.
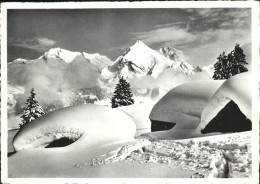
[140, 60]
[58, 53]
[57, 69]
[20, 60]
[57, 74]
[67, 56]
[98, 60]
[172, 53]
[209, 69]
[52, 72]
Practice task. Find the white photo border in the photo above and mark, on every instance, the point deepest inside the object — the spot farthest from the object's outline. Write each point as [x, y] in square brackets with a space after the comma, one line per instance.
[254, 6]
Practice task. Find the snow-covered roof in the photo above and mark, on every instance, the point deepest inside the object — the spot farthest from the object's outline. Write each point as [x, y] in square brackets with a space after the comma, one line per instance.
[193, 105]
[236, 88]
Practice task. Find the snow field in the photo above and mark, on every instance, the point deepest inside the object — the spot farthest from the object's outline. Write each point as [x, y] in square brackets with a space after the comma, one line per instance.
[221, 156]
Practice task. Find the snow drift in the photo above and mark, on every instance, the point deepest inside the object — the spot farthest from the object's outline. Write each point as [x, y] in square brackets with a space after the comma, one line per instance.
[236, 89]
[182, 106]
[95, 130]
[90, 124]
[139, 112]
[193, 105]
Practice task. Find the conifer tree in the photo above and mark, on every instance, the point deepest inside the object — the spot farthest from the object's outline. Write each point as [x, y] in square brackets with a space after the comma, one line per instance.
[239, 60]
[230, 65]
[32, 110]
[218, 66]
[123, 95]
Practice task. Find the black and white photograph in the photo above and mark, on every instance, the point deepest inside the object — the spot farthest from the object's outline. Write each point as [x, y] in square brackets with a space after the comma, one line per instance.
[130, 90]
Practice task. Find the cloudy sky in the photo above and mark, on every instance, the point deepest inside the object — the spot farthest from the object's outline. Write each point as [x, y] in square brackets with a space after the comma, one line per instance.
[202, 34]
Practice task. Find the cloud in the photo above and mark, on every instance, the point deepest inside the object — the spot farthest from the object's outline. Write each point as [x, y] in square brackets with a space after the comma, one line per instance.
[46, 41]
[219, 12]
[167, 80]
[212, 42]
[209, 12]
[39, 44]
[53, 80]
[173, 33]
[168, 25]
[219, 16]
[207, 33]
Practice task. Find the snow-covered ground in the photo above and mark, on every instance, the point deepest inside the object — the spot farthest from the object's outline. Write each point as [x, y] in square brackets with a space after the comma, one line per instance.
[93, 129]
[139, 112]
[118, 142]
[226, 155]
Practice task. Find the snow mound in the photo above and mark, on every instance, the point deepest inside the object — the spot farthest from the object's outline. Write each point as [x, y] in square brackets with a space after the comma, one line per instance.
[237, 89]
[139, 112]
[90, 125]
[183, 106]
[93, 130]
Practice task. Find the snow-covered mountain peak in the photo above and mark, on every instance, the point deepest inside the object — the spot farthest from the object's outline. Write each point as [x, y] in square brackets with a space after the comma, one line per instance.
[19, 60]
[58, 53]
[87, 55]
[139, 45]
[66, 56]
[140, 60]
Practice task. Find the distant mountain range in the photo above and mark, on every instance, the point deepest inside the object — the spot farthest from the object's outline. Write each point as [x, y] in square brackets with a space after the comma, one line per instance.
[138, 60]
[69, 57]
[61, 77]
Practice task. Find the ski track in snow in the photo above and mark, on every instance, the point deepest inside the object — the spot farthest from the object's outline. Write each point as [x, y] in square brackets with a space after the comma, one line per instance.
[224, 156]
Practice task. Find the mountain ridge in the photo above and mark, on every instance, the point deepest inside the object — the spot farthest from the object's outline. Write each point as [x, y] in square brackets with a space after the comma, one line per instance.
[100, 61]
[140, 60]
